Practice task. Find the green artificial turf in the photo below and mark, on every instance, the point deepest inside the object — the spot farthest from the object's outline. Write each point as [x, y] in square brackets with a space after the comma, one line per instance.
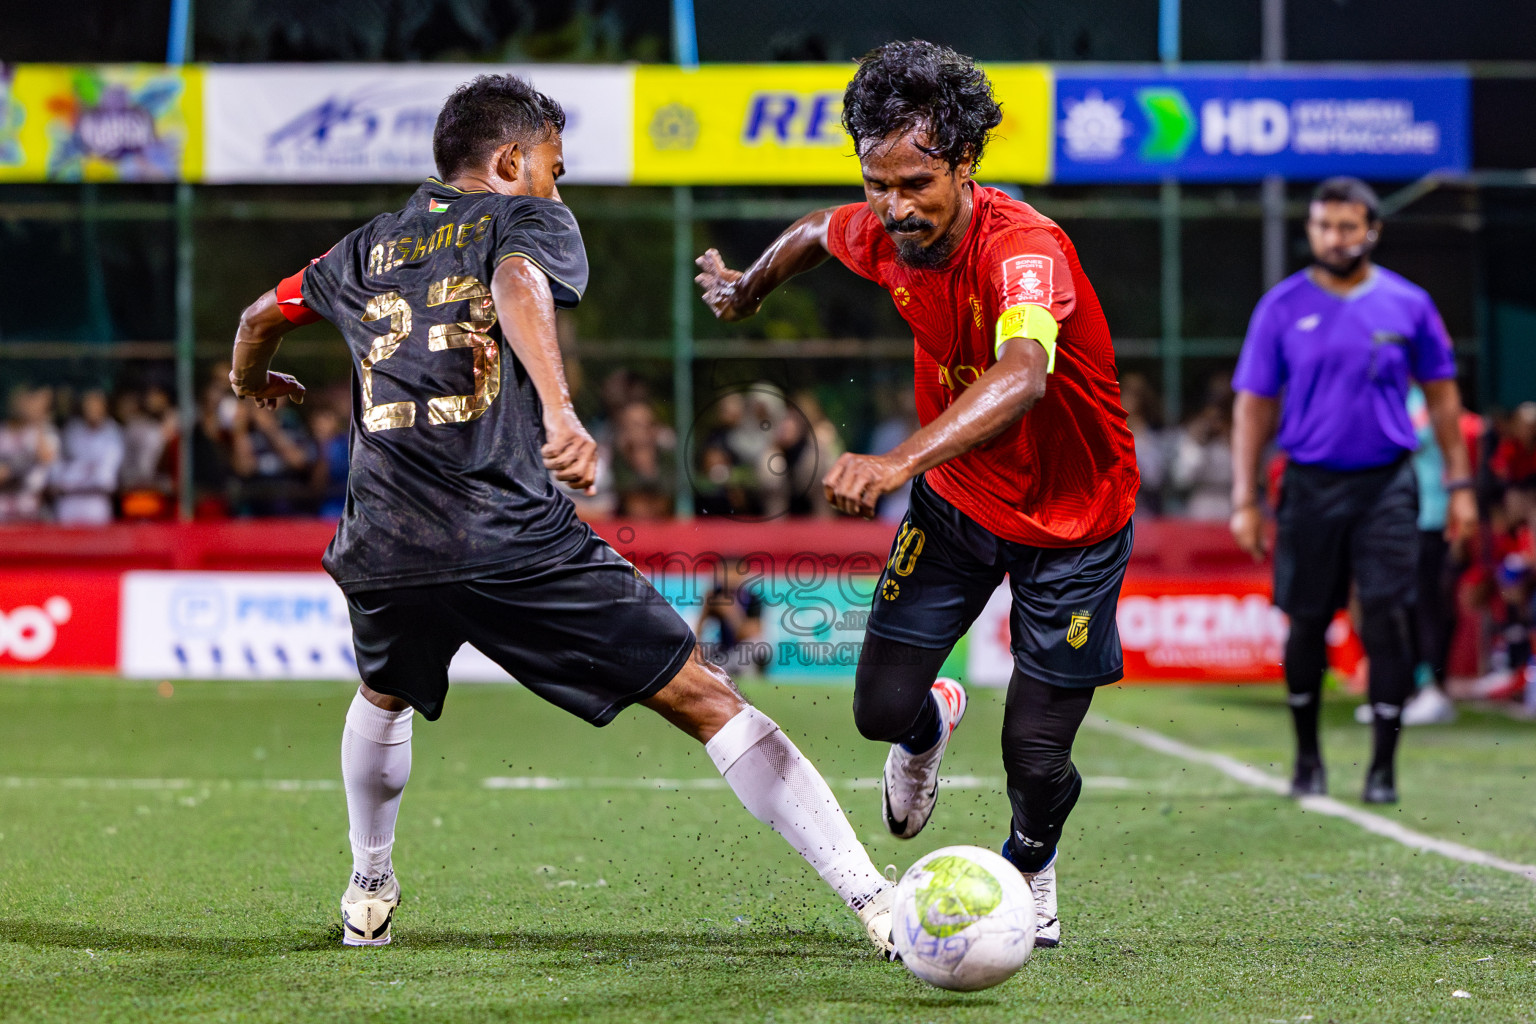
[180, 858]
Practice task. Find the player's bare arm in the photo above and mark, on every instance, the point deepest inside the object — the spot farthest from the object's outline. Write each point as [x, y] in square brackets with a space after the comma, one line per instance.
[998, 399]
[736, 295]
[1443, 399]
[526, 310]
[261, 330]
[1253, 421]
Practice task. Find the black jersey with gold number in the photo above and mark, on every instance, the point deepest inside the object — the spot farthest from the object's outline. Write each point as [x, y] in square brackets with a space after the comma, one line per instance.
[446, 480]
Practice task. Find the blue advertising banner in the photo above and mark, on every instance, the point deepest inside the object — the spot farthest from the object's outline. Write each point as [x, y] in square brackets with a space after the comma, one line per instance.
[1242, 125]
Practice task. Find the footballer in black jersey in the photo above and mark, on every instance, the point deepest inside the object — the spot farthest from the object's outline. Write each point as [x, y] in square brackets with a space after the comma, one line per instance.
[453, 532]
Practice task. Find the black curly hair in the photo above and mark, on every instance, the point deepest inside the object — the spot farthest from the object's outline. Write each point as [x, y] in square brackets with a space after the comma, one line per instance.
[918, 84]
[486, 114]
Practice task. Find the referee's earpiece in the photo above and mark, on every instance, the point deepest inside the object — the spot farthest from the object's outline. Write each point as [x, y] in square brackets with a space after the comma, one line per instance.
[1370, 236]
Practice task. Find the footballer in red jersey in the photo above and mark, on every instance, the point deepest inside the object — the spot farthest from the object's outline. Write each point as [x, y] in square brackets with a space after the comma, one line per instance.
[1023, 465]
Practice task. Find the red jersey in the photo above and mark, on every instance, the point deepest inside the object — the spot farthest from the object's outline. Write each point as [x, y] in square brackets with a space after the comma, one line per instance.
[1065, 474]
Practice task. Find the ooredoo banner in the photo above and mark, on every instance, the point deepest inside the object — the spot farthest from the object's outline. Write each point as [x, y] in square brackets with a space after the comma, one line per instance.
[373, 122]
[59, 621]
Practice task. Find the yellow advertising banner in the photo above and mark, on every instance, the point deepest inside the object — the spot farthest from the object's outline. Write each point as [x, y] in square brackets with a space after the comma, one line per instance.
[104, 122]
[781, 124]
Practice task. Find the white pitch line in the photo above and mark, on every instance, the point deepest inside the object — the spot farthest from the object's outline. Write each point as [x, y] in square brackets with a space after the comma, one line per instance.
[545, 782]
[1248, 774]
[84, 782]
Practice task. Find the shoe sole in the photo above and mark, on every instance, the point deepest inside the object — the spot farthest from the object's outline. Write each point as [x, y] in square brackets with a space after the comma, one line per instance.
[351, 935]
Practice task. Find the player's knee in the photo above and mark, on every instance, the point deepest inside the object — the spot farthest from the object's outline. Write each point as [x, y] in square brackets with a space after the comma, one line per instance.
[889, 688]
[1039, 772]
[874, 720]
[699, 700]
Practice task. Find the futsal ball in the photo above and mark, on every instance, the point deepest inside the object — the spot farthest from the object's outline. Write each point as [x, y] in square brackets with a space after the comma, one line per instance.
[964, 919]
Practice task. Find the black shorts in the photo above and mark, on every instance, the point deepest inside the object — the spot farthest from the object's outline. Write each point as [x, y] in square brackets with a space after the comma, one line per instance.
[1336, 526]
[944, 567]
[586, 632]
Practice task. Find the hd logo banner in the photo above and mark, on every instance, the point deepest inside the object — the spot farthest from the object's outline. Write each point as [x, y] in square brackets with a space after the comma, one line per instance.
[1221, 126]
[782, 124]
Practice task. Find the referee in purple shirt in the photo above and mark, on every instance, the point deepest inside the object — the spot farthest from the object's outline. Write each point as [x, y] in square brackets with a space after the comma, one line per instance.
[1331, 352]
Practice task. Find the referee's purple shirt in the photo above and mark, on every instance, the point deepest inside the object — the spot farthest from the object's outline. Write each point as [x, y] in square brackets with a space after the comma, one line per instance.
[1344, 365]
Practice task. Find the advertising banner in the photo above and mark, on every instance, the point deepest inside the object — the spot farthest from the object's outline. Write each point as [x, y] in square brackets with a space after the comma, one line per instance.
[1222, 125]
[782, 124]
[104, 122]
[808, 624]
[1176, 629]
[247, 625]
[58, 621]
[373, 122]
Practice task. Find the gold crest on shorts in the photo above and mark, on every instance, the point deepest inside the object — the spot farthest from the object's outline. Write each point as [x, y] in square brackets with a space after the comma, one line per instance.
[1077, 629]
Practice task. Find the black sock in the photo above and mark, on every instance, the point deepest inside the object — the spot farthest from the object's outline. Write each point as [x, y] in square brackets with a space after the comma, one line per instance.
[1389, 644]
[1306, 655]
[925, 730]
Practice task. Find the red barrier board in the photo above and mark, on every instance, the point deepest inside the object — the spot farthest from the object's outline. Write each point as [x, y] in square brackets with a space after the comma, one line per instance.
[59, 620]
[1219, 630]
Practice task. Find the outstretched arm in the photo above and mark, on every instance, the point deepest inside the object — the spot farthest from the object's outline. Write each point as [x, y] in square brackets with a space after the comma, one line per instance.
[1253, 420]
[261, 330]
[998, 399]
[525, 308]
[736, 295]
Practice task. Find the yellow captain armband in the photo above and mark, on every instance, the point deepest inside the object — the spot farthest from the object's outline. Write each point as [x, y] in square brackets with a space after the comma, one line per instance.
[1029, 321]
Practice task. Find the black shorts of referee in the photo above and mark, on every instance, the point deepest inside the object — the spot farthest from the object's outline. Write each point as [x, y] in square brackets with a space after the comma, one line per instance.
[1337, 526]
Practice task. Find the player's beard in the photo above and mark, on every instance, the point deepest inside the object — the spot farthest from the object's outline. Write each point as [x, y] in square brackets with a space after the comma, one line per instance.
[914, 253]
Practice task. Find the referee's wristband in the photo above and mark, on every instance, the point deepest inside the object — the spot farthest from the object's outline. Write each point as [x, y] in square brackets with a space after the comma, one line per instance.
[1464, 484]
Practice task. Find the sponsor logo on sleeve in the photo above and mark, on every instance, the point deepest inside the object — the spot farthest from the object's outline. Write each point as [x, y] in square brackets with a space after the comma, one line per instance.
[1027, 279]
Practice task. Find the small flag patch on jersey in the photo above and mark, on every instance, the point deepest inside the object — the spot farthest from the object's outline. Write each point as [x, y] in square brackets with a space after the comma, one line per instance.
[438, 205]
[1077, 629]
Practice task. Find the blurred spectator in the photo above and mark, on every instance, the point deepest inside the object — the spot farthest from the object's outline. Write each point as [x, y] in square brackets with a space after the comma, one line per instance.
[899, 423]
[644, 464]
[328, 476]
[150, 438]
[1143, 414]
[272, 458]
[805, 445]
[1201, 470]
[1514, 458]
[28, 448]
[730, 626]
[723, 487]
[85, 479]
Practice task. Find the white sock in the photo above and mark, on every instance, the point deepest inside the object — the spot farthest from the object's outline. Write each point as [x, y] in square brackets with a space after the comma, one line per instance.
[375, 764]
[783, 790]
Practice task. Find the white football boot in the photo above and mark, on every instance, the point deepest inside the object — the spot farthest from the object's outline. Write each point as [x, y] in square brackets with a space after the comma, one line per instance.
[1043, 885]
[366, 916]
[909, 786]
[875, 916]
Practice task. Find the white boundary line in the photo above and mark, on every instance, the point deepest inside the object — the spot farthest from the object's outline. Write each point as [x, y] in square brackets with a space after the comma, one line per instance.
[276, 785]
[515, 782]
[544, 782]
[1249, 775]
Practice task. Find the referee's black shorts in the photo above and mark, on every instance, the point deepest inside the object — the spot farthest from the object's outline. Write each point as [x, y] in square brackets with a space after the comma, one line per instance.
[586, 632]
[1335, 526]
